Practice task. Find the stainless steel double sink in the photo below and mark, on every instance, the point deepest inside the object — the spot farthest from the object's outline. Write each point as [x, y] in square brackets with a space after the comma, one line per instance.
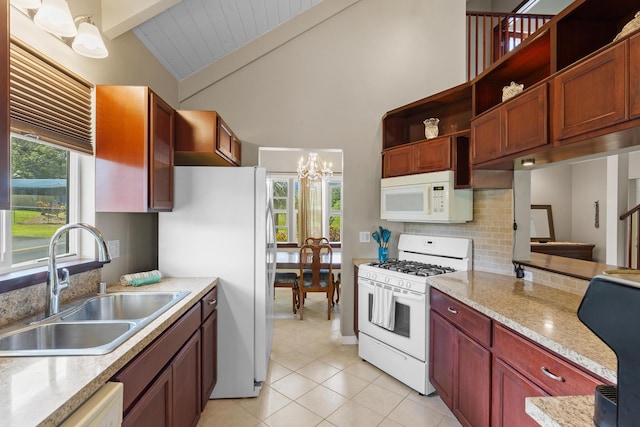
[97, 326]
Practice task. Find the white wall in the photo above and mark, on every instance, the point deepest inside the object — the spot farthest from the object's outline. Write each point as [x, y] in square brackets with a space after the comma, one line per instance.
[550, 186]
[588, 186]
[329, 88]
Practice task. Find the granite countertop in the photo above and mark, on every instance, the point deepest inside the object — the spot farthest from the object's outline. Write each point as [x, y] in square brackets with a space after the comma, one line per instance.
[43, 391]
[547, 316]
[541, 313]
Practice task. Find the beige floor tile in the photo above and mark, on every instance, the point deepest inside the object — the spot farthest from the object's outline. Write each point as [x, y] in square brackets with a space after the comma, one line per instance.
[316, 349]
[293, 360]
[294, 385]
[230, 416]
[293, 415]
[378, 399]
[352, 414]
[340, 359]
[449, 422]
[364, 370]
[433, 402]
[346, 384]
[322, 401]
[389, 383]
[276, 371]
[325, 423]
[318, 371]
[266, 404]
[408, 412]
[390, 423]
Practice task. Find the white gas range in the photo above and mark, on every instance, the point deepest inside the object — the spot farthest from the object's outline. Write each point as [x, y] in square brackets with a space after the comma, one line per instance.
[393, 305]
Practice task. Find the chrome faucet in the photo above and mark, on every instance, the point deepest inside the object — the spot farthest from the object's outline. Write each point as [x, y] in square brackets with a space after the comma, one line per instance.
[54, 284]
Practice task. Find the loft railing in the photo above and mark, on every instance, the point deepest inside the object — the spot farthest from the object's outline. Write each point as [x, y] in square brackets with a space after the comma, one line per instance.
[633, 226]
[492, 35]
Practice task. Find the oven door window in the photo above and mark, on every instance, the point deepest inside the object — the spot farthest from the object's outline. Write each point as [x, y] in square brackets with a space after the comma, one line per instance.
[402, 318]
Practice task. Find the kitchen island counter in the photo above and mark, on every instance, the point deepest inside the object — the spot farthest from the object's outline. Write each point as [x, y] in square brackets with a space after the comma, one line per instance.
[43, 391]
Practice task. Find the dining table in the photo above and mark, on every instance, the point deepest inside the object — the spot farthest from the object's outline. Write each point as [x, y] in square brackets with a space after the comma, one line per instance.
[290, 260]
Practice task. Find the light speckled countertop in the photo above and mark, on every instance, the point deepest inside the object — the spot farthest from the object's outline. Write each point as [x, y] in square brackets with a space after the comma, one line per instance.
[43, 391]
[543, 314]
[547, 316]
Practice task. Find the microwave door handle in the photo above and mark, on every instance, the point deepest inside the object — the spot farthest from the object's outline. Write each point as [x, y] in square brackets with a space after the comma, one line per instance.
[427, 198]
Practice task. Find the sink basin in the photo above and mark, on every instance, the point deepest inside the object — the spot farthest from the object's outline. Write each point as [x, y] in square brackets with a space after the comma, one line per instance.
[66, 338]
[125, 306]
[98, 326]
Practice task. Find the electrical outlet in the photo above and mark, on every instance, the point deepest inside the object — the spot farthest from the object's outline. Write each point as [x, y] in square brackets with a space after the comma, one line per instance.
[114, 248]
[528, 276]
[365, 237]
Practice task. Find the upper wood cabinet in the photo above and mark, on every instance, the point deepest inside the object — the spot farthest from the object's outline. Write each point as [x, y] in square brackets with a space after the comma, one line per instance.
[634, 76]
[204, 139]
[517, 125]
[5, 140]
[591, 95]
[134, 150]
[432, 155]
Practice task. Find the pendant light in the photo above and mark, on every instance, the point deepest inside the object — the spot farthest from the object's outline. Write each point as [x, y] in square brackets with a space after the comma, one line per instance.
[89, 42]
[55, 17]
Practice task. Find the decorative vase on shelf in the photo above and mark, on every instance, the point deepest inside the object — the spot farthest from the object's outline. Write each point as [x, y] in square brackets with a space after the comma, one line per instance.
[512, 90]
[629, 27]
[431, 128]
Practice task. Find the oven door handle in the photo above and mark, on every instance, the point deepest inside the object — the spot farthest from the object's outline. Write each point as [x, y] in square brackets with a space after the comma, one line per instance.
[413, 297]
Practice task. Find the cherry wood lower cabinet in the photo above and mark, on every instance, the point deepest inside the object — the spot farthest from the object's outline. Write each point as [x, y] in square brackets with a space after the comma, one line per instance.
[166, 384]
[209, 332]
[460, 367]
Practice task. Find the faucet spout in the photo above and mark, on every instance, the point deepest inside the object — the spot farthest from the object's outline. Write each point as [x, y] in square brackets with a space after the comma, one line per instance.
[54, 284]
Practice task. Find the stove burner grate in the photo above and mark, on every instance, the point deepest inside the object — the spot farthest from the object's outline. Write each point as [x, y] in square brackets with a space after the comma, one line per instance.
[414, 268]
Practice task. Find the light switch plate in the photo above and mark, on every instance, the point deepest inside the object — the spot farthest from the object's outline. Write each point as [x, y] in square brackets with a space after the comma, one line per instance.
[114, 248]
[365, 237]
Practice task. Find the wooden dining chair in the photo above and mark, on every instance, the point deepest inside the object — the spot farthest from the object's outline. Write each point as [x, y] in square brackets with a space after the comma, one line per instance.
[316, 241]
[316, 274]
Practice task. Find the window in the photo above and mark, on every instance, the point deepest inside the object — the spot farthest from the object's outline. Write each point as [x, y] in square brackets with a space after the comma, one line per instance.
[285, 208]
[42, 200]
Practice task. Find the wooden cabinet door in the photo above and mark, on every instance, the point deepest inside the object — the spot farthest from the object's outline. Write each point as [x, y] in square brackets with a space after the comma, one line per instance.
[397, 162]
[486, 137]
[161, 139]
[154, 408]
[591, 95]
[236, 150]
[442, 357]
[634, 76]
[224, 141]
[209, 332]
[187, 394]
[472, 395]
[432, 155]
[509, 390]
[525, 120]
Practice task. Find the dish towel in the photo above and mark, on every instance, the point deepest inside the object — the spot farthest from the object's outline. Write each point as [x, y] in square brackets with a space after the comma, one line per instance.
[383, 310]
[141, 279]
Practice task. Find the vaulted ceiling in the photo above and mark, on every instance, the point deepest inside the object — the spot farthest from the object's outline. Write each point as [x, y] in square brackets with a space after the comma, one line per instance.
[192, 34]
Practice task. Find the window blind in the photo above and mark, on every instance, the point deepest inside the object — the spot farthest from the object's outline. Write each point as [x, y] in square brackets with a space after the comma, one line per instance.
[49, 102]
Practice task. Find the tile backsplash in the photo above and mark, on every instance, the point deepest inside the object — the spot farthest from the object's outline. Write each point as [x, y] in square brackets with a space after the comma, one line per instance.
[492, 234]
[30, 301]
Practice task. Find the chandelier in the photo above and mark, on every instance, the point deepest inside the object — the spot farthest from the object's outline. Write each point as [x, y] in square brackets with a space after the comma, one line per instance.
[314, 168]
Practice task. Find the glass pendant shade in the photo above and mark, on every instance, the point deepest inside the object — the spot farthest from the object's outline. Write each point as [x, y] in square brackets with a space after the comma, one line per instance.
[89, 42]
[27, 4]
[54, 17]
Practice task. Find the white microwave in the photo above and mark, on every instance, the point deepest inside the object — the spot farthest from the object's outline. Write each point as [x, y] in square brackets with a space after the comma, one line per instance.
[426, 197]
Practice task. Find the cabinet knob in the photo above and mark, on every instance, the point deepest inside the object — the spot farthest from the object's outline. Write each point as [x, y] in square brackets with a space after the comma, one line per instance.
[551, 375]
[452, 311]
[212, 301]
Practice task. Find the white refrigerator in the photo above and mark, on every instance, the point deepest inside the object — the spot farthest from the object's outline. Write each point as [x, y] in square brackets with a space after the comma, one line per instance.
[222, 225]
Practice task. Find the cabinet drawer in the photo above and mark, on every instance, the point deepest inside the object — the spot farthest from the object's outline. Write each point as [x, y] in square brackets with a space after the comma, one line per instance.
[476, 325]
[209, 303]
[561, 378]
[139, 373]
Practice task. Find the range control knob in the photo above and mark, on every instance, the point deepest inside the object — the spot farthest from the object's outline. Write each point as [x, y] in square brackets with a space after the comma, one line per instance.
[401, 283]
[408, 285]
[387, 279]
